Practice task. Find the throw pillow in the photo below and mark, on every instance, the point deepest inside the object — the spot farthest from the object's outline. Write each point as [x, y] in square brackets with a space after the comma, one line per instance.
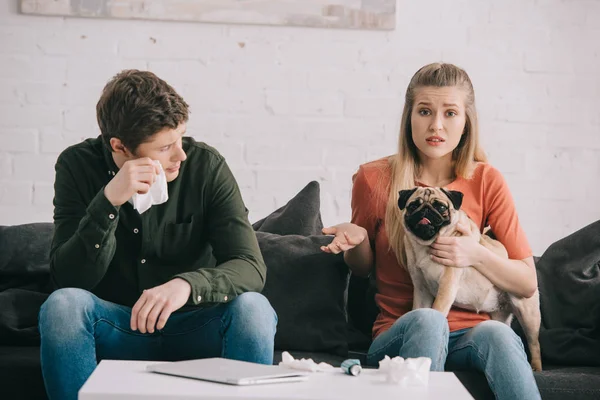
[569, 282]
[24, 280]
[300, 216]
[306, 288]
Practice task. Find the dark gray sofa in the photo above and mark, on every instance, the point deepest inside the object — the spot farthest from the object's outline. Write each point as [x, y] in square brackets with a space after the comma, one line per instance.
[323, 313]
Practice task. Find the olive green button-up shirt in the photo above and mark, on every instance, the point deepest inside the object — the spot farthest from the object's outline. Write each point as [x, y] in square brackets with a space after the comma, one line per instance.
[201, 234]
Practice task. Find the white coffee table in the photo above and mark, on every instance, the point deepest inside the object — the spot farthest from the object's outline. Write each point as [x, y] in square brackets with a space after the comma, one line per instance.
[129, 380]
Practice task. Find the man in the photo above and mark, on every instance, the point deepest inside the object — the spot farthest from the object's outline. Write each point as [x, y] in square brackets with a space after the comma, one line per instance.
[122, 274]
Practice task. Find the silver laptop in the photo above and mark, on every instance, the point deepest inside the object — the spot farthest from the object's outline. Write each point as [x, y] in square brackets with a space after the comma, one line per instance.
[232, 372]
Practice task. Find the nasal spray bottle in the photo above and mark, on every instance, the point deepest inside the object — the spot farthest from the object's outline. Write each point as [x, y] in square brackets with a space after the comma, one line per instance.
[351, 367]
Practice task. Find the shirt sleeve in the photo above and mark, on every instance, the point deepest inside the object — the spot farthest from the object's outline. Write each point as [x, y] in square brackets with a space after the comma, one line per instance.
[84, 242]
[239, 263]
[502, 216]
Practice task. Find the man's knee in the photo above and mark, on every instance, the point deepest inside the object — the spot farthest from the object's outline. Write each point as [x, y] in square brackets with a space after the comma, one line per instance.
[64, 308]
[254, 310]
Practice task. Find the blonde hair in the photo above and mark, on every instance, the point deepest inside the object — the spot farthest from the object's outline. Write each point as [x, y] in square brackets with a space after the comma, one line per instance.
[405, 165]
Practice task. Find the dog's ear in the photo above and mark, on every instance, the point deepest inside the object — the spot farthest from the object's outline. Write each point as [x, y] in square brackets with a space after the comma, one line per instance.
[455, 197]
[404, 196]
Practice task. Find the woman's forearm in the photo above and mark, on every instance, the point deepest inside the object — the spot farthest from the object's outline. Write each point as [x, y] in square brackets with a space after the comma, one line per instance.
[360, 259]
[517, 277]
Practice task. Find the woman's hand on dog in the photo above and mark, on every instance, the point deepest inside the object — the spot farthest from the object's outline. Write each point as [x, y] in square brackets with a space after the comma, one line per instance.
[346, 236]
[456, 251]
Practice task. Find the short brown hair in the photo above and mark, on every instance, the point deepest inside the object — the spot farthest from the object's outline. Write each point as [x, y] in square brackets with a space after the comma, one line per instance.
[135, 105]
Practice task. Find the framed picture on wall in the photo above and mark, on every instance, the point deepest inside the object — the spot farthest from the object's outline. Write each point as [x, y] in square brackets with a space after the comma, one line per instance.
[349, 14]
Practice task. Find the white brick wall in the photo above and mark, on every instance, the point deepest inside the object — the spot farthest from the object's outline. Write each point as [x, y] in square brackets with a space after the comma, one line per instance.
[290, 105]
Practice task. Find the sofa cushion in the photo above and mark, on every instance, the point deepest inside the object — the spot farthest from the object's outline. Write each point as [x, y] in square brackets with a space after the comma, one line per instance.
[24, 251]
[24, 280]
[306, 288]
[21, 373]
[300, 216]
[569, 281]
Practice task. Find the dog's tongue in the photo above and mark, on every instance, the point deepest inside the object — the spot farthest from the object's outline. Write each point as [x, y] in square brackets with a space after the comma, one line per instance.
[424, 221]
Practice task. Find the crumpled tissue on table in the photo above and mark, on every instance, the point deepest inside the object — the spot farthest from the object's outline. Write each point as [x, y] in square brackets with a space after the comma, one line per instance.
[412, 371]
[304, 364]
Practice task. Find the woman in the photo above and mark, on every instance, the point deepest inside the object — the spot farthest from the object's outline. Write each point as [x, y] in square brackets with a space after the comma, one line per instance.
[439, 146]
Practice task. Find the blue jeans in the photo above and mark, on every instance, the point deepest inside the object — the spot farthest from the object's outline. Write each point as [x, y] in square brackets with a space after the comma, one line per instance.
[490, 347]
[79, 329]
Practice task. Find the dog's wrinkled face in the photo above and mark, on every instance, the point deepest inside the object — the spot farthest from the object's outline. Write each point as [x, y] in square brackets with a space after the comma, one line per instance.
[428, 209]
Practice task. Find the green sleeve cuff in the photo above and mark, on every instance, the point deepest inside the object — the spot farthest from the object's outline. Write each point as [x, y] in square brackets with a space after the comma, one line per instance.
[104, 214]
[201, 289]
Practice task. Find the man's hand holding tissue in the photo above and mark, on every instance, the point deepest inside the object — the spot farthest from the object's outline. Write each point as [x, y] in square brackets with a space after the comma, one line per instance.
[136, 176]
[154, 307]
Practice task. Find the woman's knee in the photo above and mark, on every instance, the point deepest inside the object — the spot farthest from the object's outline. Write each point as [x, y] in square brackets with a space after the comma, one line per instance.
[425, 319]
[496, 335]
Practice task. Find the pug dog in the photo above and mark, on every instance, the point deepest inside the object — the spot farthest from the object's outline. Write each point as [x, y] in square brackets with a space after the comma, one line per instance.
[429, 213]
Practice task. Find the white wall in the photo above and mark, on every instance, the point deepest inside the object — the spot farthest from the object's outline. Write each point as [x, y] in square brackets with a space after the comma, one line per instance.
[290, 105]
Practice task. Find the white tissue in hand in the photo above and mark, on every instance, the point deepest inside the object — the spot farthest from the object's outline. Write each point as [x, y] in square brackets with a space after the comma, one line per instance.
[158, 193]
[304, 364]
[412, 371]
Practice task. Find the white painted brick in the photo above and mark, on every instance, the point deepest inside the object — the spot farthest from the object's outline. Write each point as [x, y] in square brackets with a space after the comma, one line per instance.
[298, 55]
[507, 159]
[15, 193]
[10, 94]
[289, 181]
[334, 132]
[543, 60]
[30, 116]
[304, 103]
[81, 94]
[22, 214]
[245, 177]
[377, 152]
[373, 107]
[26, 68]
[232, 151]
[19, 140]
[156, 45]
[16, 67]
[283, 156]
[555, 14]
[351, 82]
[77, 42]
[189, 72]
[81, 120]
[243, 55]
[543, 112]
[507, 88]
[54, 140]
[42, 93]
[271, 78]
[501, 133]
[6, 166]
[222, 101]
[484, 59]
[34, 167]
[265, 128]
[17, 40]
[344, 156]
[93, 71]
[206, 127]
[43, 194]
